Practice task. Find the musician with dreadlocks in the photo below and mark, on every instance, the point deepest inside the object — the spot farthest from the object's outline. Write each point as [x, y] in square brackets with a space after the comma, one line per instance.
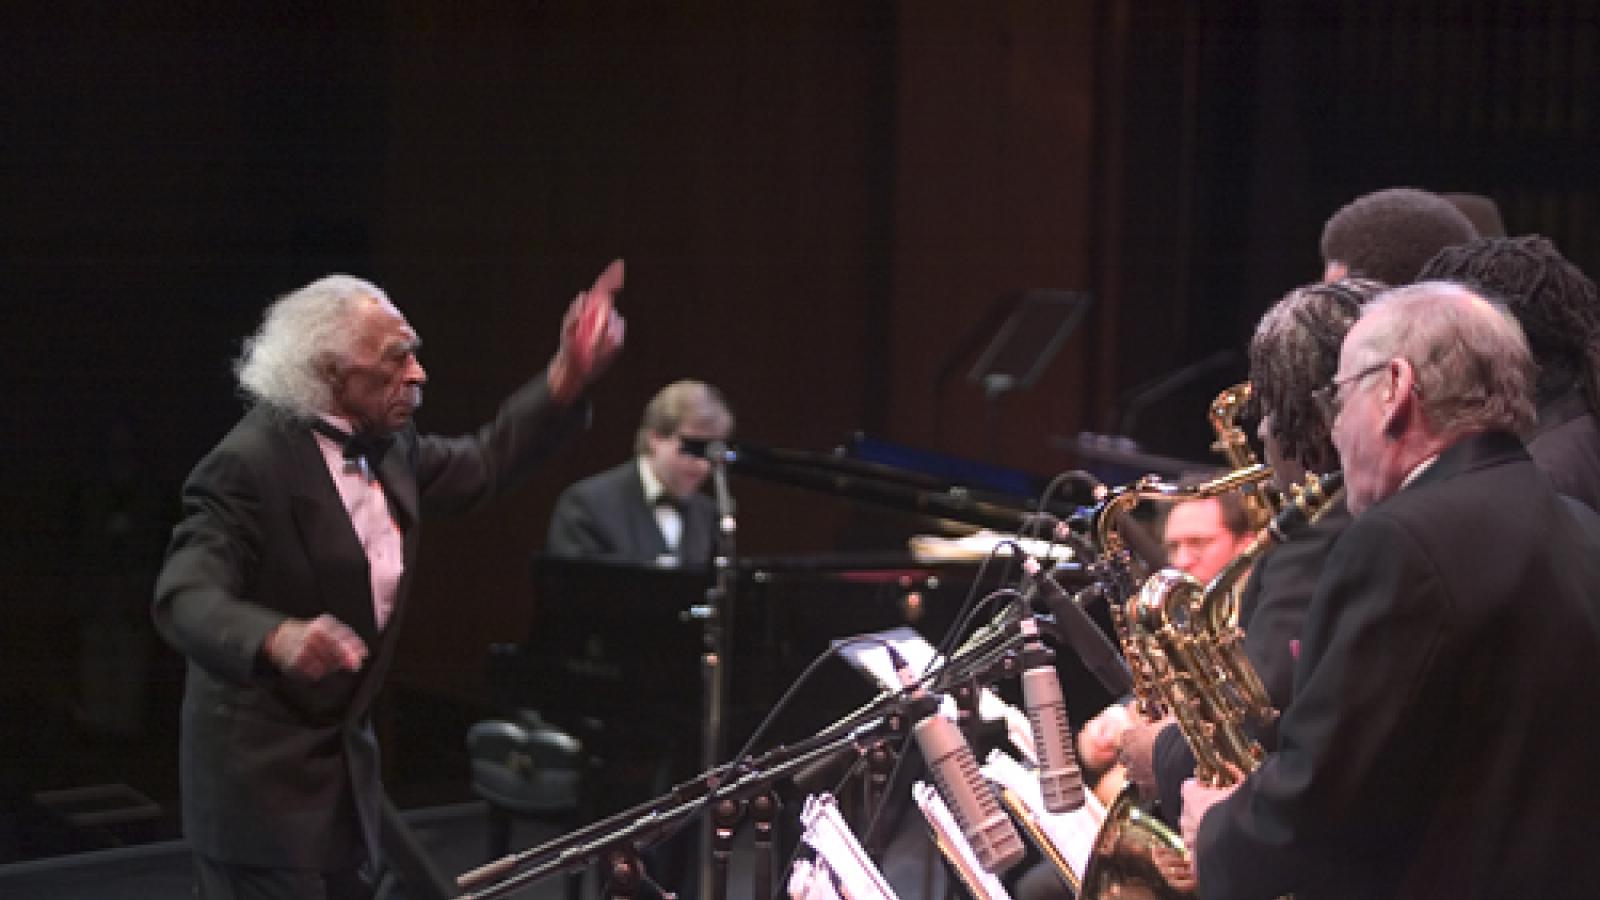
[1558, 309]
[1295, 350]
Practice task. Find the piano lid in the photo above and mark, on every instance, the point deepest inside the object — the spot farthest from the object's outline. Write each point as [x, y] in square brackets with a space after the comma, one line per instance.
[917, 481]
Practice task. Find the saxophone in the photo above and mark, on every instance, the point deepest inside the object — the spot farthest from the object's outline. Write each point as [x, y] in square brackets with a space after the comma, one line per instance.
[1234, 445]
[1247, 475]
[1120, 570]
[1205, 680]
[1191, 651]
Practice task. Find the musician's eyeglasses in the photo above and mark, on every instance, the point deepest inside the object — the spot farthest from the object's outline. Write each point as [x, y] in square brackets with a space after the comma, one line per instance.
[1330, 397]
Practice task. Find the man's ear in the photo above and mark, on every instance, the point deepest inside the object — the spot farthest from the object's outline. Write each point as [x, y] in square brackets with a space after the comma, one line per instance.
[333, 375]
[1400, 397]
[328, 369]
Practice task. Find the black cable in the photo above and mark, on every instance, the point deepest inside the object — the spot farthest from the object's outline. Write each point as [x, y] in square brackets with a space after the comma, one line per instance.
[724, 772]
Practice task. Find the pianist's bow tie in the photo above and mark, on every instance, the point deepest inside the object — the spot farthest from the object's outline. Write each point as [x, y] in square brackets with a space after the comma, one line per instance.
[358, 445]
[667, 501]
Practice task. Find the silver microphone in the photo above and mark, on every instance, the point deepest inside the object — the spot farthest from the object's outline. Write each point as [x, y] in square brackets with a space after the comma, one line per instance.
[971, 799]
[994, 839]
[1077, 631]
[1060, 781]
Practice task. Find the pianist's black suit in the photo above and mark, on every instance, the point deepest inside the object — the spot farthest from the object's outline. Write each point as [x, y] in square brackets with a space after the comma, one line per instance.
[605, 517]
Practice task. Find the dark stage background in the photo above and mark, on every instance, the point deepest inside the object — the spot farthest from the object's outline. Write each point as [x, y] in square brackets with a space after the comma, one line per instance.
[818, 202]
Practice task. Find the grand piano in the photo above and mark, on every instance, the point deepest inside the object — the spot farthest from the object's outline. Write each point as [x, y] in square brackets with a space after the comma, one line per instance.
[614, 654]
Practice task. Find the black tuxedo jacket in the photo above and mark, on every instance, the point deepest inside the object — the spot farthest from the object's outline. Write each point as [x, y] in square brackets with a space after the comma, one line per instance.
[1567, 447]
[1272, 613]
[605, 517]
[276, 772]
[1439, 743]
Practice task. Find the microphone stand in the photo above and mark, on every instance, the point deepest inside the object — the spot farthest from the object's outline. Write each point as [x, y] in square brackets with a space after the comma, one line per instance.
[715, 620]
[725, 815]
[615, 837]
[764, 810]
[881, 762]
[624, 872]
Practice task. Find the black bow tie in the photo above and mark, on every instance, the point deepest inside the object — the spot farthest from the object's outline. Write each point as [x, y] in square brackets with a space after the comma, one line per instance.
[668, 501]
[356, 446]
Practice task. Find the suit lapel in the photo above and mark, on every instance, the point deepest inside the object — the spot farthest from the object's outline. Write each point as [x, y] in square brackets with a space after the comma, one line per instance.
[400, 490]
[400, 486]
[639, 518]
[337, 557]
[399, 479]
[694, 547]
[327, 536]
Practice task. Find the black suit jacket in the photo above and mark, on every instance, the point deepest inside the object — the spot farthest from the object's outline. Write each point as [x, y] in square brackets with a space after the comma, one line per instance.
[276, 772]
[1438, 744]
[1272, 613]
[1567, 447]
[605, 517]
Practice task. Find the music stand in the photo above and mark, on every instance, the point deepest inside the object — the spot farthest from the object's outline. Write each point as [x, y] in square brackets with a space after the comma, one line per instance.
[1035, 324]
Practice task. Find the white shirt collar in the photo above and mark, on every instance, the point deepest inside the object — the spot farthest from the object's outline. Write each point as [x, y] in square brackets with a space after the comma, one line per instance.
[348, 426]
[653, 488]
[1418, 469]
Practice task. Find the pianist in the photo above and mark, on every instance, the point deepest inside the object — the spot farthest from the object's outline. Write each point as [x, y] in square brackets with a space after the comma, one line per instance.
[650, 509]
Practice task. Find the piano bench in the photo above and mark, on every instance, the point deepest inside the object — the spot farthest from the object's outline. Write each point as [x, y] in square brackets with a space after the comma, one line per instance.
[526, 769]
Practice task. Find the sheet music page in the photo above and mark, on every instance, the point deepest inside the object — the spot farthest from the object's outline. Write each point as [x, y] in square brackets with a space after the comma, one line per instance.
[954, 845]
[854, 873]
[871, 658]
[811, 882]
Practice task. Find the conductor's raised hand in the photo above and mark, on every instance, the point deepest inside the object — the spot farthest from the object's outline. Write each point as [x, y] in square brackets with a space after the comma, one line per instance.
[312, 650]
[591, 335]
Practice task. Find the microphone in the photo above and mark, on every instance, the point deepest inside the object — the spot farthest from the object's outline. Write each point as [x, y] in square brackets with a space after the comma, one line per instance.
[717, 452]
[1060, 781]
[1077, 631]
[971, 799]
[1060, 531]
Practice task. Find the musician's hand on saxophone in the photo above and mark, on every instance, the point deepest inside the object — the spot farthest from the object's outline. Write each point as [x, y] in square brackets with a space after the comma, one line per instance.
[1198, 800]
[1100, 739]
[1138, 752]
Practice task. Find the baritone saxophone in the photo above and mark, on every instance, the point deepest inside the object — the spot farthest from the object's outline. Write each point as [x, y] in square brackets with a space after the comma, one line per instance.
[1180, 636]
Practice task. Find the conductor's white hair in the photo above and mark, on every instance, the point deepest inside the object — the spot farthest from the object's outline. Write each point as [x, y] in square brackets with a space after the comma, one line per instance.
[285, 363]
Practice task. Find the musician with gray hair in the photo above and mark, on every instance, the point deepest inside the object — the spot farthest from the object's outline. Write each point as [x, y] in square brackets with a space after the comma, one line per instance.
[286, 580]
[1431, 748]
